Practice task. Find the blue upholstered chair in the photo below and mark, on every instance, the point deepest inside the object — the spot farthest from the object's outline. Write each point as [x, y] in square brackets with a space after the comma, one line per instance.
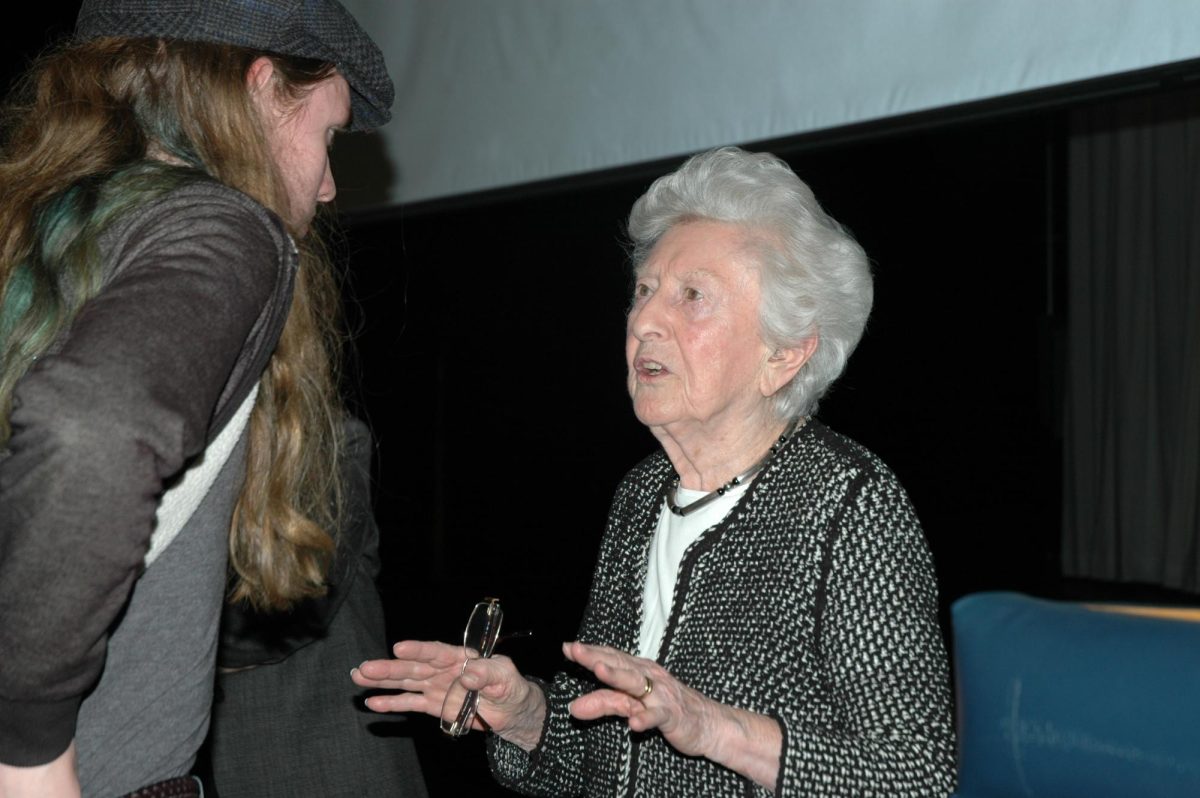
[1061, 700]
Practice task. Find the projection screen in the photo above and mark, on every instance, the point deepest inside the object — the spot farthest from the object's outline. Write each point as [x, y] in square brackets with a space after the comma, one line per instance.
[505, 92]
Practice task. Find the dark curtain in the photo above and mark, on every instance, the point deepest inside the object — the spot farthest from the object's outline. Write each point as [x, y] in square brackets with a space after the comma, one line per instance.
[1131, 504]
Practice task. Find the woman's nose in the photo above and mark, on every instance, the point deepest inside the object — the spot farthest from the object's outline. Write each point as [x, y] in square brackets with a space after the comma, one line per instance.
[646, 318]
[328, 188]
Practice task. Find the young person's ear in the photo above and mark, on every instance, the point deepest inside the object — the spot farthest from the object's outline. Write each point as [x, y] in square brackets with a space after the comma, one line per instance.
[260, 75]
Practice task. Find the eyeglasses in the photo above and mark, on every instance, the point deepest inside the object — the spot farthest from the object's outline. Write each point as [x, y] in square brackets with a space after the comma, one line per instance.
[479, 640]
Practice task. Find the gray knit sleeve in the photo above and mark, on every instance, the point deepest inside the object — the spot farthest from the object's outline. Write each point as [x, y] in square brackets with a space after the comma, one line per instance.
[881, 651]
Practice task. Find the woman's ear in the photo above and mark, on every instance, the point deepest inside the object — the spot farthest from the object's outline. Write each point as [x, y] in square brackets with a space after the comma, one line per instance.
[783, 363]
[259, 78]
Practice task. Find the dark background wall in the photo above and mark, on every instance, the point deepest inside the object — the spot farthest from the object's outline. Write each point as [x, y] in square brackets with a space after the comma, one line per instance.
[491, 363]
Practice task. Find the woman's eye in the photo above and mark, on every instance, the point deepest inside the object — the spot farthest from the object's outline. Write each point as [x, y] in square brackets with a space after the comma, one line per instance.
[641, 291]
[692, 295]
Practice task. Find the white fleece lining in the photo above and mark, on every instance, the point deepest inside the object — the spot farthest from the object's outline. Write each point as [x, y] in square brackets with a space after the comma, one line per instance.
[178, 503]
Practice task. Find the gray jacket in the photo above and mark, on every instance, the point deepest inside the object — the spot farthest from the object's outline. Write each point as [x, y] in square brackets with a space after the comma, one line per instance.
[197, 288]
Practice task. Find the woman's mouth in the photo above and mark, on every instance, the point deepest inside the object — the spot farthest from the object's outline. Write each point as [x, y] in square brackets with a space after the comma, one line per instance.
[649, 368]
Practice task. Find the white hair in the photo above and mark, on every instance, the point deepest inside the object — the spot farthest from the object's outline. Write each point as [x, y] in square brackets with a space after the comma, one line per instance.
[814, 278]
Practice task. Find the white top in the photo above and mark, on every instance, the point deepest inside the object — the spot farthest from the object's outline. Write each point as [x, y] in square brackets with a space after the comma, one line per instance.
[672, 537]
[178, 503]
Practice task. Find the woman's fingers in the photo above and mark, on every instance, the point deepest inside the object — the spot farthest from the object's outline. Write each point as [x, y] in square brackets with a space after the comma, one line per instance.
[437, 655]
[645, 718]
[589, 655]
[496, 679]
[631, 675]
[628, 678]
[388, 674]
[632, 679]
[402, 702]
[426, 672]
[641, 715]
[644, 693]
[414, 659]
[602, 703]
[423, 670]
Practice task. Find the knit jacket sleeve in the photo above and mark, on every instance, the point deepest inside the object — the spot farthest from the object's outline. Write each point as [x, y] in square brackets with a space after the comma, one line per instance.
[555, 766]
[570, 759]
[882, 658]
[199, 282]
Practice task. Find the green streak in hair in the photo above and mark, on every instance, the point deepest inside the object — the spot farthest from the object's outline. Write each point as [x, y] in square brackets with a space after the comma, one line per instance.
[63, 269]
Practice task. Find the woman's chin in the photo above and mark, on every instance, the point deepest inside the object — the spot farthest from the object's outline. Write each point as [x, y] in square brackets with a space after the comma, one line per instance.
[651, 414]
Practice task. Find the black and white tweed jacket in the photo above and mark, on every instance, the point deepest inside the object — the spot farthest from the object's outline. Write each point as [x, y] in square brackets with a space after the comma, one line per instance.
[813, 602]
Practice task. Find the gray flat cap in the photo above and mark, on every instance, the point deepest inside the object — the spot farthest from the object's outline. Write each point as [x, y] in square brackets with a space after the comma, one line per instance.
[320, 29]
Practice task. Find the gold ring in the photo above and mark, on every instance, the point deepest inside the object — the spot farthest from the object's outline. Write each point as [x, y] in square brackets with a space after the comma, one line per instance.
[648, 689]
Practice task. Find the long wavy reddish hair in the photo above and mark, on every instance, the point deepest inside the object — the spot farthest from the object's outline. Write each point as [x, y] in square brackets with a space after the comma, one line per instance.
[100, 127]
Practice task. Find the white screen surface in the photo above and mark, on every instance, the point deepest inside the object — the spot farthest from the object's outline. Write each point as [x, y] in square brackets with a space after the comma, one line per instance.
[495, 93]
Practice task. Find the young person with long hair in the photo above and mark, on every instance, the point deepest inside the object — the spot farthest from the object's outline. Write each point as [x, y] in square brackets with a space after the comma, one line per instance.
[168, 344]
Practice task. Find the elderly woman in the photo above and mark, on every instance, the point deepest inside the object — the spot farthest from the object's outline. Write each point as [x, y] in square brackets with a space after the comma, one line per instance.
[762, 617]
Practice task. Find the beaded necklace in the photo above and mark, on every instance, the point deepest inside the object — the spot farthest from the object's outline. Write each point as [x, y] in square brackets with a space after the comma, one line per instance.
[733, 483]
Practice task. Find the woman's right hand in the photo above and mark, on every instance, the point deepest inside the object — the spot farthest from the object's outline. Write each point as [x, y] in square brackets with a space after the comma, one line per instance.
[54, 779]
[509, 704]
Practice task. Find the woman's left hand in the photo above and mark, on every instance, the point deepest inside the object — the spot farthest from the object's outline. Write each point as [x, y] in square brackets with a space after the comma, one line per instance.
[645, 693]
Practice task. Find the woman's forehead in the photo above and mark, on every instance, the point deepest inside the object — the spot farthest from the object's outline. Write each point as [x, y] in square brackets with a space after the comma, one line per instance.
[707, 250]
